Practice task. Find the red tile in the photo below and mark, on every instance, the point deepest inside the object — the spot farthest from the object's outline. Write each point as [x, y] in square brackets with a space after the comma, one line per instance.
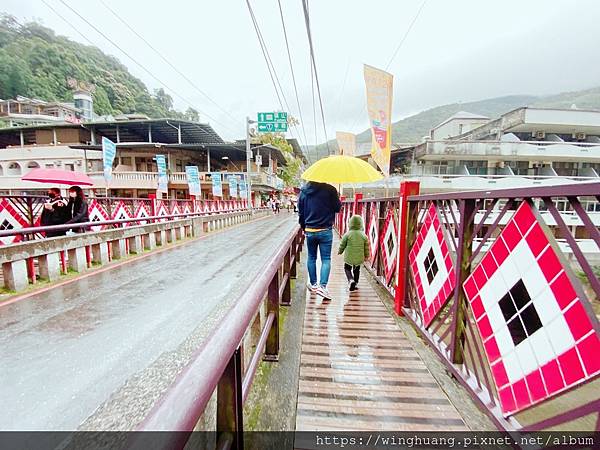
[479, 277]
[499, 251]
[511, 235]
[448, 262]
[492, 350]
[507, 399]
[578, 320]
[477, 307]
[589, 350]
[521, 395]
[470, 288]
[552, 377]
[489, 265]
[563, 290]
[524, 218]
[549, 263]
[571, 366]
[484, 327]
[537, 391]
[537, 240]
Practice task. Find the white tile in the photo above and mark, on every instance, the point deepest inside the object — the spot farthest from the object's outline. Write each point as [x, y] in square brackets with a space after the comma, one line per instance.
[541, 347]
[546, 306]
[510, 272]
[504, 341]
[526, 357]
[560, 335]
[495, 317]
[534, 279]
[512, 366]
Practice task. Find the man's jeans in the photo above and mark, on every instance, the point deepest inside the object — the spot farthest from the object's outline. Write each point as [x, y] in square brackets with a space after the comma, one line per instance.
[323, 241]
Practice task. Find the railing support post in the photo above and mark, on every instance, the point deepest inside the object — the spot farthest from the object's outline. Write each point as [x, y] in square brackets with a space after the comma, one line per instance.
[356, 207]
[272, 347]
[229, 402]
[463, 265]
[296, 253]
[286, 297]
[407, 188]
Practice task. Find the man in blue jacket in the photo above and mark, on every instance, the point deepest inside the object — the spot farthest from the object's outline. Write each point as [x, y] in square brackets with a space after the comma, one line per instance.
[317, 205]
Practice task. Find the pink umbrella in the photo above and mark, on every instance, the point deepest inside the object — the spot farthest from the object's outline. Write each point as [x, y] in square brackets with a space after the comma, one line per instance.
[58, 176]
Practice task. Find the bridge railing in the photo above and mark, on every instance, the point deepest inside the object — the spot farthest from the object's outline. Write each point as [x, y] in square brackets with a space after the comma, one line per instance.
[25, 262]
[25, 211]
[484, 279]
[217, 365]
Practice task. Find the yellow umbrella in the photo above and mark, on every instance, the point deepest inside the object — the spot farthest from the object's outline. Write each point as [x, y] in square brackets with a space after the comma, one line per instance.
[341, 169]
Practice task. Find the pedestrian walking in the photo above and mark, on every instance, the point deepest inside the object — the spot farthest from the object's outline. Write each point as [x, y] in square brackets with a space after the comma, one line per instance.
[54, 212]
[78, 208]
[355, 247]
[318, 203]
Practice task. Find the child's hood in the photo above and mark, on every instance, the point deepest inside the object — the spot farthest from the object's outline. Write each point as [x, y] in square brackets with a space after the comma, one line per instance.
[355, 223]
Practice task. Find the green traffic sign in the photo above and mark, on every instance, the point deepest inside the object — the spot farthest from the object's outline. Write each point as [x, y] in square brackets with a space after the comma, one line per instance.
[272, 121]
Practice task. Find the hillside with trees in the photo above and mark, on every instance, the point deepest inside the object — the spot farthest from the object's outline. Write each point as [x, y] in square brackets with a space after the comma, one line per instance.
[37, 63]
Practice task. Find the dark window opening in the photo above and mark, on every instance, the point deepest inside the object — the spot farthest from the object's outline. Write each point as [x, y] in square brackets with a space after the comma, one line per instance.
[520, 313]
[431, 267]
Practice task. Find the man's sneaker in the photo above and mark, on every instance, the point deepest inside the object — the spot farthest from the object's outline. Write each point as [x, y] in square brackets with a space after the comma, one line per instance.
[323, 292]
[311, 287]
[353, 285]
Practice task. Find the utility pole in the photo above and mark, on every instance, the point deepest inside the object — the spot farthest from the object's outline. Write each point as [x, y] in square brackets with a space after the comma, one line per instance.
[248, 161]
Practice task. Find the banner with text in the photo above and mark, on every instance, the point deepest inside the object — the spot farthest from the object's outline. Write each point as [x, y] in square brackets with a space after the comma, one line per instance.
[163, 179]
[233, 190]
[243, 189]
[379, 86]
[193, 179]
[346, 143]
[109, 150]
[217, 187]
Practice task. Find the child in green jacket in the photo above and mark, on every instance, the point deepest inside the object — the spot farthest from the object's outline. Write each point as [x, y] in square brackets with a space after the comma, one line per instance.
[355, 247]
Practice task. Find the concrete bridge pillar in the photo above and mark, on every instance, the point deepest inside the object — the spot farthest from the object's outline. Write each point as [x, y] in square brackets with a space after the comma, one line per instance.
[171, 236]
[49, 266]
[150, 241]
[119, 249]
[135, 244]
[15, 275]
[77, 259]
[161, 238]
[100, 253]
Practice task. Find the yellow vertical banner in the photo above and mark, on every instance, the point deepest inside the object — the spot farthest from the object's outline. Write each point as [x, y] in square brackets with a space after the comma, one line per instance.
[379, 86]
[346, 143]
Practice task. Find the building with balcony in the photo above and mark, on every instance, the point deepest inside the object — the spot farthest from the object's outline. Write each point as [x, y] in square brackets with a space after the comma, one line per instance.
[31, 111]
[138, 141]
[524, 147]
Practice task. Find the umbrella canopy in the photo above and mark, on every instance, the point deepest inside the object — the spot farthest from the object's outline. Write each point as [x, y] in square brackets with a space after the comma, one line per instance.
[341, 169]
[58, 176]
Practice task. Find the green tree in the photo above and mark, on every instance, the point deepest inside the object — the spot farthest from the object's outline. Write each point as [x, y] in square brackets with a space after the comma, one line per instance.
[192, 114]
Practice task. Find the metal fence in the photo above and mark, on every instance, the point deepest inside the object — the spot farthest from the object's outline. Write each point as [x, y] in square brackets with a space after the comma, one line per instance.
[499, 285]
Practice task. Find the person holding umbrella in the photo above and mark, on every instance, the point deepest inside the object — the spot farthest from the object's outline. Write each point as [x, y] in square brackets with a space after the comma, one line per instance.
[55, 212]
[78, 208]
[319, 203]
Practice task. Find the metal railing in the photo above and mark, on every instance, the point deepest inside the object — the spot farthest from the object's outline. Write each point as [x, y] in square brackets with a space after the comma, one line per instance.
[453, 328]
[217, 366]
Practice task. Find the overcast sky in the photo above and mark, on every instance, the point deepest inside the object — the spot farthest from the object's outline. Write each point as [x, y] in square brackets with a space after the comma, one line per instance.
[459, 50]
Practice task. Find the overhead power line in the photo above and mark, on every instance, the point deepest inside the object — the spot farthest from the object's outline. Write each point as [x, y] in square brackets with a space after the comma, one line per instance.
[287, 45]
[271, 67]
[161, 56]
[314, 64]
[135, 61]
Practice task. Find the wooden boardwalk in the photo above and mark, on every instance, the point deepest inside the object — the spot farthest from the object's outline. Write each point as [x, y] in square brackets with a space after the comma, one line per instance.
[359, 372]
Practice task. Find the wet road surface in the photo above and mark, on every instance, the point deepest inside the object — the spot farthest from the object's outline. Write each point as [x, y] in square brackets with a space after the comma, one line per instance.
[96, 353]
